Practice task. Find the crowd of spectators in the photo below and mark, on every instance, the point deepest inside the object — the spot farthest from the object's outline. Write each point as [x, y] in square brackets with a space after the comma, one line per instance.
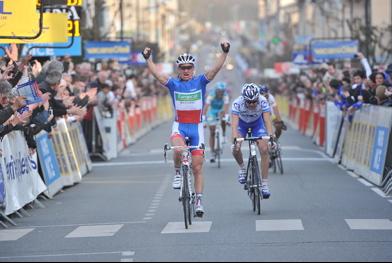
[349, 85]
[66, 90]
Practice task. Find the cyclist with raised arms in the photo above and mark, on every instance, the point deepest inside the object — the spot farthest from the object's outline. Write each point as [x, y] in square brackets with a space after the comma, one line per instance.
[188, 95]
[217, 107]
[276, 118]
[252, 111]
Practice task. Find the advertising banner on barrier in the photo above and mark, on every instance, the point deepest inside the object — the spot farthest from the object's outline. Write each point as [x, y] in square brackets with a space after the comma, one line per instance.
[379, 151]
[334, 49]
[21, 179]
[107, 50]
[2, 188]
[109, 143]
[366, 143]
[333, 120]
[69, 150]
[83, 145]
[48, 161]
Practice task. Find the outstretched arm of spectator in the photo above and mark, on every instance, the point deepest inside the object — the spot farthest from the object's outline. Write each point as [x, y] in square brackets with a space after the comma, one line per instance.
[365, 64]
[162, 78]
[219, 63]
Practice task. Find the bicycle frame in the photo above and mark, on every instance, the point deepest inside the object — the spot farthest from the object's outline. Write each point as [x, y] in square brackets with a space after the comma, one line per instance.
[187, 196]
[253, 180]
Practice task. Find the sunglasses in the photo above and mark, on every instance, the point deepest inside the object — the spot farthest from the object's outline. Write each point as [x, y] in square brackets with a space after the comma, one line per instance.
[252, 102]
[186, 67]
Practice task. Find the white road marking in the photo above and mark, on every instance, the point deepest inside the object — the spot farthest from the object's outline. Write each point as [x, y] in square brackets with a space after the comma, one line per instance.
[352, 174]
[14, 234]
[89, 224]
[119, 182]
[369, 224]
[379, 192]
[94, 231]
[126, 260]
[279, 225]
[179, 228]
[63, 255]
[128, 253]
[287, 159]
[364, 182]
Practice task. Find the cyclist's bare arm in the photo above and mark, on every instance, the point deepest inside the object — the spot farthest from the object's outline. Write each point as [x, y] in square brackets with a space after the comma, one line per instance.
[277, 113]
[219, 63]
[226, 108]
[205, 110]
[268, 122]
[234, 126]
[162, 78]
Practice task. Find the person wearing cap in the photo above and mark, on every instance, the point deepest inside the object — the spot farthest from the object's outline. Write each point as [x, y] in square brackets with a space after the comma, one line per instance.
[188, 95]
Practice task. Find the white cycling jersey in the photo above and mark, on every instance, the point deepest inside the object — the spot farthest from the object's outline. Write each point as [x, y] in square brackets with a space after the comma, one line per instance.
[250, 115]
[272, 103]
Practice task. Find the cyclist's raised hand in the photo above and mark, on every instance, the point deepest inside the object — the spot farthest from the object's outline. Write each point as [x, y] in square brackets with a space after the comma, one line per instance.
[146, 53]
[225, 47]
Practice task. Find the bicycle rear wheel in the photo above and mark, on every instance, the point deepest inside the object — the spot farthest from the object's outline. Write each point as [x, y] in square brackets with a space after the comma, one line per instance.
[273, 161]
[279, 163]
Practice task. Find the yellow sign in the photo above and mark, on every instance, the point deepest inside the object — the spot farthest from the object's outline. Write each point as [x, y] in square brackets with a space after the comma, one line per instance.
[74, 2]
[74, 24]
[18, 18]
[55, 30]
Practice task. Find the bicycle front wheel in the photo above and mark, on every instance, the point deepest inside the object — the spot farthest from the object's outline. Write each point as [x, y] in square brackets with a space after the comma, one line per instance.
[218, 149]
[186, 198]
[257, 184]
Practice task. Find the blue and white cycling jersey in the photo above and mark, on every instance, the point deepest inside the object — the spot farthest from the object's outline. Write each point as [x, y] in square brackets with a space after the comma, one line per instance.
[251, 118]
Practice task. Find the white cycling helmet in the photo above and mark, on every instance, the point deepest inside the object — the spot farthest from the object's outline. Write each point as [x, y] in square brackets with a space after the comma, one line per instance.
[250, 92]
[185, 59]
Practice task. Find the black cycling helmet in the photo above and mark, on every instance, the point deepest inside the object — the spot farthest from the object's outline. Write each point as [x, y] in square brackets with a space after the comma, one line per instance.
[250, 92]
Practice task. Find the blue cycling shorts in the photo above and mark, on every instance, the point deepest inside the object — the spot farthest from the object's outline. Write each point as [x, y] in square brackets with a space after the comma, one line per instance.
[257, 127]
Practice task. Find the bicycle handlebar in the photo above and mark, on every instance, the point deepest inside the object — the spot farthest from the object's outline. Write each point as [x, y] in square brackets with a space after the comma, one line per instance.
[169, 148]
[251, 139]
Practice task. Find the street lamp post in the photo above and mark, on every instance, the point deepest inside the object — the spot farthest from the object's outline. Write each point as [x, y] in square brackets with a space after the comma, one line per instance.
[121, 20]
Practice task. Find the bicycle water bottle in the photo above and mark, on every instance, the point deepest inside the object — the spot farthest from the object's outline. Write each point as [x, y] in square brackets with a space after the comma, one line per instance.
[253, 150]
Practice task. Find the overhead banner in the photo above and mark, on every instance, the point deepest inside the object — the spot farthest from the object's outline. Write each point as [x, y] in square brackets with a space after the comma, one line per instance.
[54, 30]
[18, 18]
[73, 51]
[334, 49]
[73, 27]
[107, 50]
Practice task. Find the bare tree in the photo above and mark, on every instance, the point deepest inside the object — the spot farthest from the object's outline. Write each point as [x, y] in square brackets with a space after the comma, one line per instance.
[376, 39]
